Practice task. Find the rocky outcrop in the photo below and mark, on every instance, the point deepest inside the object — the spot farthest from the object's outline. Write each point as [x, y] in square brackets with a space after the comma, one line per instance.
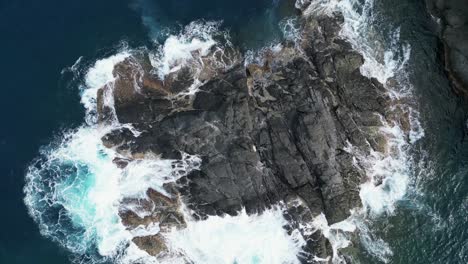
[453, 15]
[153, 244]
[147, 218]
[274, 131]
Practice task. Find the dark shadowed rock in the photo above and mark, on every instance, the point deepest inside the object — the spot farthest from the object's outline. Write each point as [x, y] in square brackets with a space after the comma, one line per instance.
[121, 162]
[453, 16]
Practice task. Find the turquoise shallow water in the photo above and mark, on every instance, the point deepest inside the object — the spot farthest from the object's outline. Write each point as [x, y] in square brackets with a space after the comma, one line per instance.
[42, 38]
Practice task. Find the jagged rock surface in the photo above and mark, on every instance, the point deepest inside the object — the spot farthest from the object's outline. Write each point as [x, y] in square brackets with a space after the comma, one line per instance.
[276, 131]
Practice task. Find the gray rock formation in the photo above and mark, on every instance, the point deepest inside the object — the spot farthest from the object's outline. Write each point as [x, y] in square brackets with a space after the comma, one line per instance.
[275, 131]
[453, 16]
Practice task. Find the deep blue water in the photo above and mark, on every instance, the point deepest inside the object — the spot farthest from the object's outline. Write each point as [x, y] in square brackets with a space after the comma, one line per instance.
[41, 38]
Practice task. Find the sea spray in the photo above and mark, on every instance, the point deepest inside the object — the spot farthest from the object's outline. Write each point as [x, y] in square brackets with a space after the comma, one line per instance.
[99, 75]
[177, 50]
[335, 234]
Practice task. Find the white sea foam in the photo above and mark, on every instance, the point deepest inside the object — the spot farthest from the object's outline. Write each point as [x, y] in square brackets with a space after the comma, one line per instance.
[188, 47]
[238, 239]
[380, 62]
[201, 47]
[336, 234]
[134, 254]
[388, 172]
[195, 40]
[99, 75]
[377, 246]
[149, 230]
[291, 29]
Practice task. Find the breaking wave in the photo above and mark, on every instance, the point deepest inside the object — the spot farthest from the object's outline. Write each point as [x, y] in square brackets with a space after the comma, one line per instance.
[194, 42]
[239, 239]
[201, 47]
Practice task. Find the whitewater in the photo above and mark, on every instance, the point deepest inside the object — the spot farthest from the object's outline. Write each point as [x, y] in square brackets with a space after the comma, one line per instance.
[74, 190]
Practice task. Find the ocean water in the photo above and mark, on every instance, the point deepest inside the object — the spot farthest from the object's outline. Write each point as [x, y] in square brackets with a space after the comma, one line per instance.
[422, 219]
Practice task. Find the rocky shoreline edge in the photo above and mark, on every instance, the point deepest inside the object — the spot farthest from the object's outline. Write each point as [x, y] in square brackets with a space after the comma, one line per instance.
[282, 129]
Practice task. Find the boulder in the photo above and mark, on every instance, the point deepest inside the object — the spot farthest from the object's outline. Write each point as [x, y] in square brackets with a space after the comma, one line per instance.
[154, 245]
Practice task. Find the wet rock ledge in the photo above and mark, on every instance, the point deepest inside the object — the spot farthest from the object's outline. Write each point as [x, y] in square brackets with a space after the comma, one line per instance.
[277, 130]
